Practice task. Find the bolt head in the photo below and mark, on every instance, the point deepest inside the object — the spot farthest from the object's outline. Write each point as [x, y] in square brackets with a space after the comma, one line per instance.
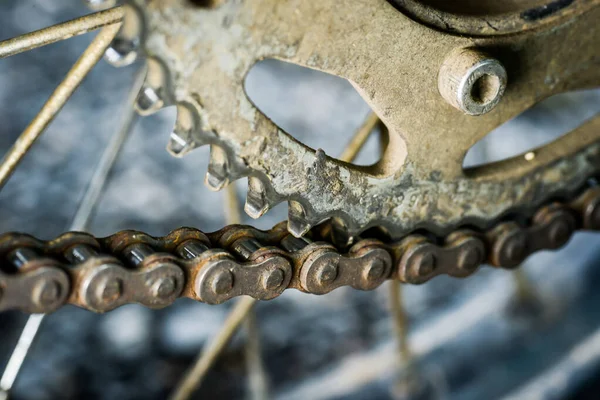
[164, 287]
[328, 272]
[273, 279]
[223, 282]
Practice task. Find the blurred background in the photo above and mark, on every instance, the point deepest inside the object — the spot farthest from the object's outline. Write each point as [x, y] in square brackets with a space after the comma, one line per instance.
[470, 339]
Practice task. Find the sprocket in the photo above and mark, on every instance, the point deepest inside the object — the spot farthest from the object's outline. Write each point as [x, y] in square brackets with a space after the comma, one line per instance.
[199, 55]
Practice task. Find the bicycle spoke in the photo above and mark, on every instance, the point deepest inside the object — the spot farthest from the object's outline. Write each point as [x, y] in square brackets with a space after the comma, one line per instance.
[80, 222]
[60, 32]
[57, 100]
[360, 138]
[400, 324]
[409, 381]
[233, 208]
[19, 353]
[526, 302]
[92, 194]
[524, 289]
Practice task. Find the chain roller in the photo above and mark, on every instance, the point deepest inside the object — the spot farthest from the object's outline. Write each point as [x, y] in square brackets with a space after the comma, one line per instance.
[101, 274]
[421, 259]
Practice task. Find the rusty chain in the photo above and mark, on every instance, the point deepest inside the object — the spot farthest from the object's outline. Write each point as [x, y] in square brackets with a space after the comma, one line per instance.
[101, 274]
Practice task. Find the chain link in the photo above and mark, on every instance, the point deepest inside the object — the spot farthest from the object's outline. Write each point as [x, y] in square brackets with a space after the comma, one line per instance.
[101, 274]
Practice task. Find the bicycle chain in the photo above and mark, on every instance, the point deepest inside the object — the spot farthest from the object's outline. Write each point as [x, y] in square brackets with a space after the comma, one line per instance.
[132, 267]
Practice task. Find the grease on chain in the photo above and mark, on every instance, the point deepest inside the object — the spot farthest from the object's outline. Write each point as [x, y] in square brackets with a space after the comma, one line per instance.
[132, 267]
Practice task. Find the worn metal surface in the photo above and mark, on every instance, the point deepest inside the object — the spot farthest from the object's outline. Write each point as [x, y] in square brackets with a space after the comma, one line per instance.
[200, 56]
[471, 81]
[133, 267]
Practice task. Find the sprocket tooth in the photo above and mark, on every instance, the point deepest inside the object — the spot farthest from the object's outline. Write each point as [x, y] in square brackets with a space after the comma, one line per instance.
[123, 50]
[217, 176]
[257, 203]
[187, 134]
[179, 144]
[148, 101]
[298, 224]
[153, 96]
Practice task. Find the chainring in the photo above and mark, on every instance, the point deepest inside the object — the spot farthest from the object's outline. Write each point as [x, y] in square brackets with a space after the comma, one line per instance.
[199, 56]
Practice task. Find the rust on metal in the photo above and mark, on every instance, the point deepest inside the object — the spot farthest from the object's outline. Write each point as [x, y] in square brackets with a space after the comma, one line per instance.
[419, 183]
[133, 267]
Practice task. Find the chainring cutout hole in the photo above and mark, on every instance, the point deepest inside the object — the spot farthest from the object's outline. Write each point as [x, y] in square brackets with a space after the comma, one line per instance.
[321, 110]
[538, 126]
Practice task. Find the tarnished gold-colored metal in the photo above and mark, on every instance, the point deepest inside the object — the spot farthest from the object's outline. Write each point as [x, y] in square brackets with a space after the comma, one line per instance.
[394, 63]
[400, 319]
[60, 32]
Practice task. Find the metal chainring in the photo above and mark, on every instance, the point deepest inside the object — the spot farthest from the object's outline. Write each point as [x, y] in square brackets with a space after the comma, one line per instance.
[199, 56]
